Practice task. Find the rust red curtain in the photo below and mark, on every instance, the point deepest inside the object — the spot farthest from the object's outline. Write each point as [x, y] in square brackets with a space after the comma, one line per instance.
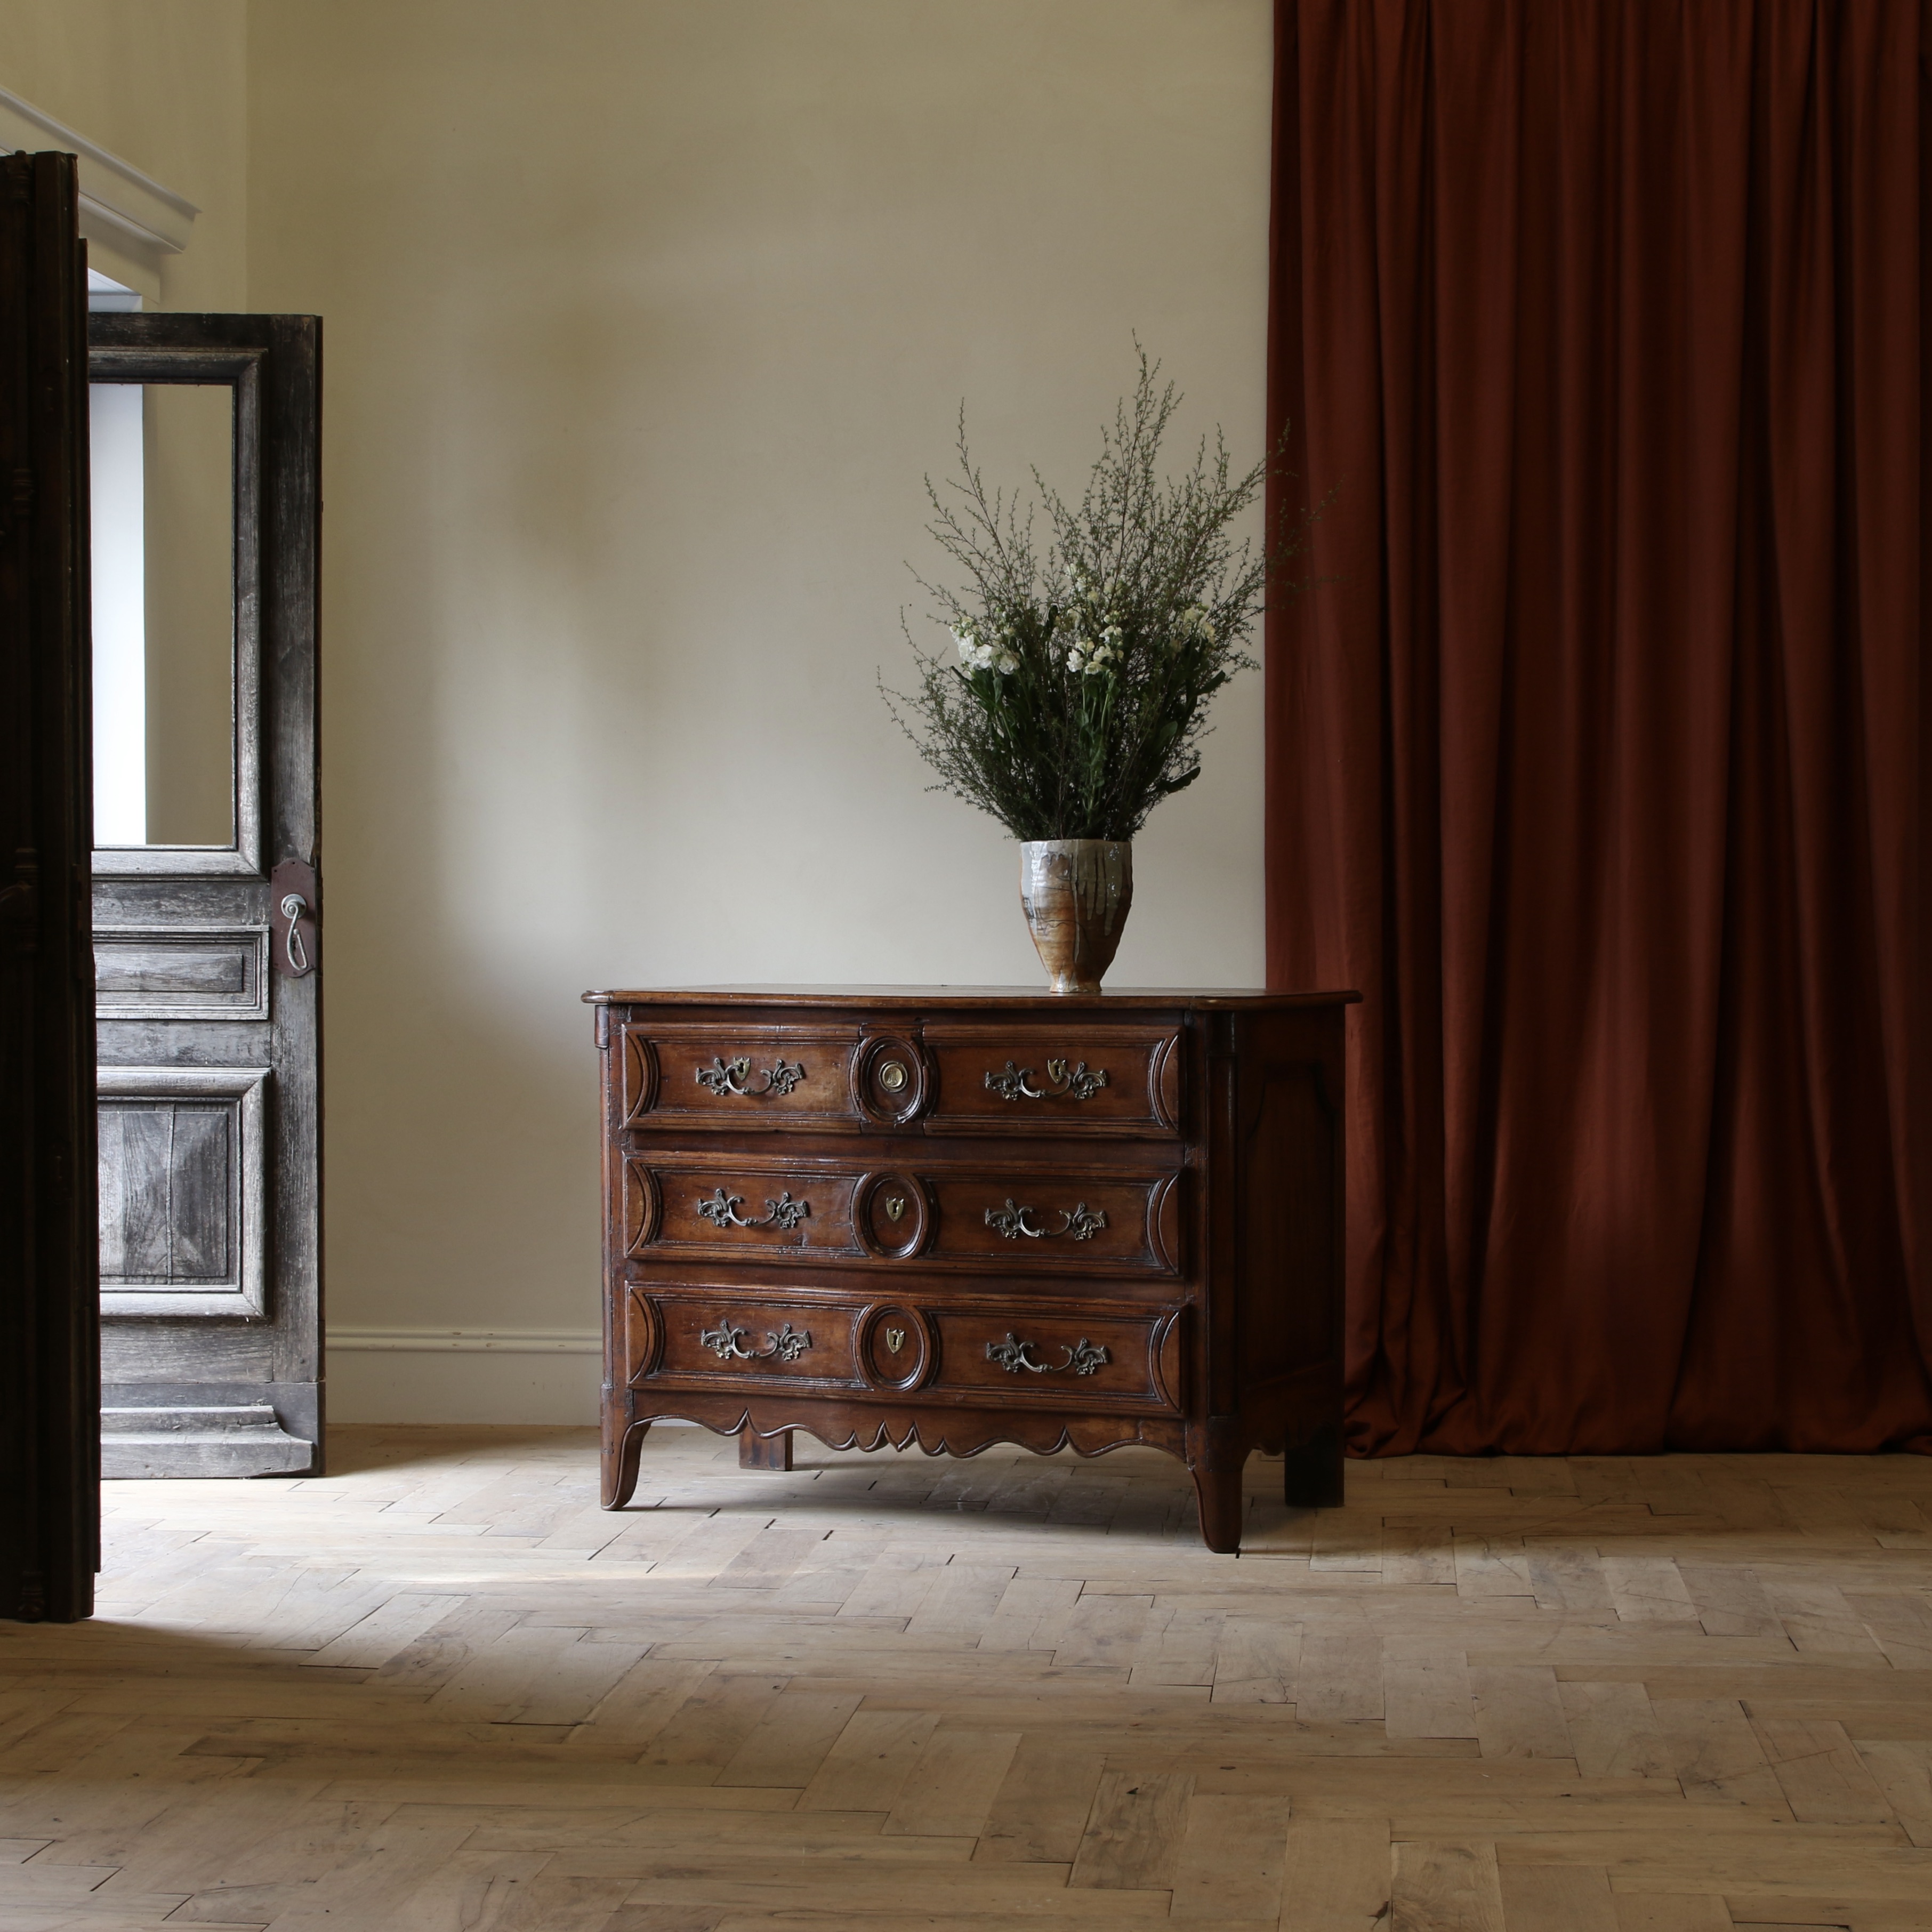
[1599, 760]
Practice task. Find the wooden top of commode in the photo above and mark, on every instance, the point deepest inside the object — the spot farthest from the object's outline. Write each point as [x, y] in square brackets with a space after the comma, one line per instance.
[1128, 999]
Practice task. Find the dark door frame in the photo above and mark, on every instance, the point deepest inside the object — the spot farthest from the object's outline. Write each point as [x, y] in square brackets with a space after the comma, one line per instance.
[50, 1296]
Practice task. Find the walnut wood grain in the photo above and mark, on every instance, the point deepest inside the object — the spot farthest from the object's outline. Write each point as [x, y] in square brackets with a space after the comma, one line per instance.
[955, 999]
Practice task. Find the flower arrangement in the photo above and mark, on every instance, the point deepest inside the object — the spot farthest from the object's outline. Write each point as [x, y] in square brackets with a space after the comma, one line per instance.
[1077, 699]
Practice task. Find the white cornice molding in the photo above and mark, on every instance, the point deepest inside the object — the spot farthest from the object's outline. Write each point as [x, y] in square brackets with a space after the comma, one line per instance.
[469, 1341]
[120, 206]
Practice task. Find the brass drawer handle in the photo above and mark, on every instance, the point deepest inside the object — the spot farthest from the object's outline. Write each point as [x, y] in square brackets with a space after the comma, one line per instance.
[727, 1343]
[1063, 1083]
[1081, 1222]
[722, 1208]
[1083, 1357]
[724, 1077]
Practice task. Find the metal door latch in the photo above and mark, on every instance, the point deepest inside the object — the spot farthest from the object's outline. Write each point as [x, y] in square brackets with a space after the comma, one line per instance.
[294, 901]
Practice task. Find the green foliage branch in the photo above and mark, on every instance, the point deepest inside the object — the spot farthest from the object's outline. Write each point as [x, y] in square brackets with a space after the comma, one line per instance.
[1077, 699]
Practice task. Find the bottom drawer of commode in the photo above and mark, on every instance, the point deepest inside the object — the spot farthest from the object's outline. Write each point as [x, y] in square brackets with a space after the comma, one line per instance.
[976, 1349]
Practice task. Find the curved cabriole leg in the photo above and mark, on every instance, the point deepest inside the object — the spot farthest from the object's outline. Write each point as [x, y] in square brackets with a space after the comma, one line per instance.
[623, 1445]
[1220, 1492]
[1311, 1474]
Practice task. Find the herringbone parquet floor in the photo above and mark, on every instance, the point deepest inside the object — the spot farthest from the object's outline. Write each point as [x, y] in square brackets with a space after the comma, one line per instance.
[440, 1689]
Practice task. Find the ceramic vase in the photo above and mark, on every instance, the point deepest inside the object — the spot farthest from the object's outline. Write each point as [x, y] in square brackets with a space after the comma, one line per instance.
[1075, 893]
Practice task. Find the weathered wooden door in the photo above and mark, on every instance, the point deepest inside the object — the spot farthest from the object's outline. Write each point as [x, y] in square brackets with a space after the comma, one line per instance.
[49, 1491]
[206, 902]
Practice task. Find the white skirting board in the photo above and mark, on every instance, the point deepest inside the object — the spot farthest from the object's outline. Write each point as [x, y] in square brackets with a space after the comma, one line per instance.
[444, 1374]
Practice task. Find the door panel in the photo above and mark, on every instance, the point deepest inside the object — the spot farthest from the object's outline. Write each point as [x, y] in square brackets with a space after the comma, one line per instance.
[183, 1171]
[209, 1037]
[212, 972]
[49, 1491]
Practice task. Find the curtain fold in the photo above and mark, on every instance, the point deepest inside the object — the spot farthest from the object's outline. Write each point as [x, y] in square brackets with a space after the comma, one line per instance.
[1598, 753]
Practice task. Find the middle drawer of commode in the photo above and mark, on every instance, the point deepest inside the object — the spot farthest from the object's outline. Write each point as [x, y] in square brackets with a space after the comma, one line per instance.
[1021, 1218]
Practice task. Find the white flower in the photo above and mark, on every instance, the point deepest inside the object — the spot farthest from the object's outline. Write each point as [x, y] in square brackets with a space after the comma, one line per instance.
[1194, 621]
[974, 655]
[1112, 637]
[1007, 664]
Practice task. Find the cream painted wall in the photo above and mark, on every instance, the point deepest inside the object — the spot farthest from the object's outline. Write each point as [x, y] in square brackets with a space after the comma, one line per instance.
[643, 319]
[642, 322]
[188, 443]
[162, 84]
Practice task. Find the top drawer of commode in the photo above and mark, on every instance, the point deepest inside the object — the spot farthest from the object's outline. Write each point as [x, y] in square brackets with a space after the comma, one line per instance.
[1080, 1076]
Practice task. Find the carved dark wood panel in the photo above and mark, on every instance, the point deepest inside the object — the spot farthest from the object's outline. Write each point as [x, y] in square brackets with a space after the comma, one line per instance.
[732, 1078]
[49, 1377]
[1080, 1077]
[892, 1215]
[170, 1186]
[1289, 1180]
[184, 1191]
[730, 1211]
[732, 1338]
[181, 974]
[1088, 1361]
[1054, 1218]
[896, 1347]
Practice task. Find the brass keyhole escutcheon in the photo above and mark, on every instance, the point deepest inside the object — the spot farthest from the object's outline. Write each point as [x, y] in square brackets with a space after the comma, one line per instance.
[893, 1077]
[894, 1207]
[895, 1339]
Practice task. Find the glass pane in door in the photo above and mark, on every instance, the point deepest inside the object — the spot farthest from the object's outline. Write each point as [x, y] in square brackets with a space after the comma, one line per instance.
[163, 522]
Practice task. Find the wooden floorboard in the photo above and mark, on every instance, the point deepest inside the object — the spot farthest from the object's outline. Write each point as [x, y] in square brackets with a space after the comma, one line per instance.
[441, 1689]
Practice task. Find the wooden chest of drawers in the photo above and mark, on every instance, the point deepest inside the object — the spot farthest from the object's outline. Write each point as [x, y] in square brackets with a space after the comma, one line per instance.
[955, 1217]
